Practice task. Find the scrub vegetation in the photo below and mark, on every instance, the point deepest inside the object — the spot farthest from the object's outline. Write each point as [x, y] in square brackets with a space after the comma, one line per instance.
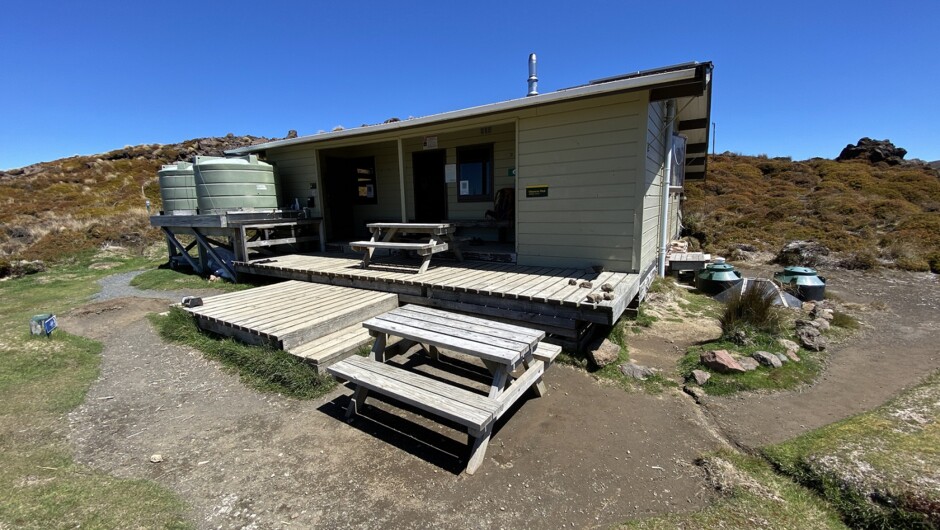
[41, 380]
[52, 210]
[870, 214]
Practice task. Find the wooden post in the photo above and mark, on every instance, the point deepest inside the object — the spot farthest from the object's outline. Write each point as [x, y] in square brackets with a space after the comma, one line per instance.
[401, 181]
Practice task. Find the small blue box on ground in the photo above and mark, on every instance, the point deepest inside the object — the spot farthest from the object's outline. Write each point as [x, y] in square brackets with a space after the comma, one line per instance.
[42, 324]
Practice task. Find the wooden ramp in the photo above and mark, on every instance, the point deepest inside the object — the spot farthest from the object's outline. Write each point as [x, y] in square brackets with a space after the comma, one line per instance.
[322, 323]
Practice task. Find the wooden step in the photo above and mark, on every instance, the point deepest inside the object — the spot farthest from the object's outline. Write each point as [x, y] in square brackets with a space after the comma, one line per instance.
[472, 410]
[290, 313]
[334, 347]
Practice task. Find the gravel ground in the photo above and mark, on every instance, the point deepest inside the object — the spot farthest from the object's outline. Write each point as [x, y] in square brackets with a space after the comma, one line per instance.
[118, 286]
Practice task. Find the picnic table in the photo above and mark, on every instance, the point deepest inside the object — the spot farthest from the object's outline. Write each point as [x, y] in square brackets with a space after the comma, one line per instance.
[515, 357]
[440, 237]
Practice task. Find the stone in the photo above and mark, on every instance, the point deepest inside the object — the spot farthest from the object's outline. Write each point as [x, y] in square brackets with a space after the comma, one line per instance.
[605, 354]
[191, 301]
[721, 361]
[783, 358]
[701, 377]
[291, 134]
[789, 345]
[805, 253]
[156, 459]
[874, 151]
[809, 307]
[748, 363]
[608, 296]
[607, 288]
[811, 338]
[800, 323]
[594, 298]
[636, 371]
[792, 356]
[586, 285]
[826, 314]
[572, 281]
[767, 359]
[821, 324]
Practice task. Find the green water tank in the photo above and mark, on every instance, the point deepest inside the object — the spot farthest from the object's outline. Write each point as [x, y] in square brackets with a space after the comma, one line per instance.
[235, 183]
[178, 189]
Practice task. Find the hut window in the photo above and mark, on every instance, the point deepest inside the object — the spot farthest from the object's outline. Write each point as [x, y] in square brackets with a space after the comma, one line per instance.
[475, 173]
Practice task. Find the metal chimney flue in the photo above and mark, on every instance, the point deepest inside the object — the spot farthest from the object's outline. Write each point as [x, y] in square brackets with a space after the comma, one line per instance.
[533, 79]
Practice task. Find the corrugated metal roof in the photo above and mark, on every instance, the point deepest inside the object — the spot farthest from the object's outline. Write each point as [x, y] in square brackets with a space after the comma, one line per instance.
[665, 76]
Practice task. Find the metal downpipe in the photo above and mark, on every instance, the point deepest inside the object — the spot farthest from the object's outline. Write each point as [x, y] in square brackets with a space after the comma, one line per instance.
[667, 175]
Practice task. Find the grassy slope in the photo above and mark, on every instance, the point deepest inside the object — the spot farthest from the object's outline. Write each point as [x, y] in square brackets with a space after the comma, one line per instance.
[753, 496]
[58, 208]
[881, 468]
[40, 381]
[891, 213]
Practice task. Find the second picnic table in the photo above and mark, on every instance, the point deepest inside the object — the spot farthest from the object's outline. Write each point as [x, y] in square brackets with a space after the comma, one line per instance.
[515, 356]
[388, 236]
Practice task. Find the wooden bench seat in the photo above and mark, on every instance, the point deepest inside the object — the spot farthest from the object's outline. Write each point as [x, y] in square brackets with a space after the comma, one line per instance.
[472, 410]
[546, 352]
[423, 249]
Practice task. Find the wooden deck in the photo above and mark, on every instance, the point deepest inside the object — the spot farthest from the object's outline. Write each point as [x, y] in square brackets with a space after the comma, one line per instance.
[292, 314]
[540, 296]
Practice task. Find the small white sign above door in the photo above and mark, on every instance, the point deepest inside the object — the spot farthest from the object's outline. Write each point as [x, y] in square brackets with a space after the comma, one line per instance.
[430, 142]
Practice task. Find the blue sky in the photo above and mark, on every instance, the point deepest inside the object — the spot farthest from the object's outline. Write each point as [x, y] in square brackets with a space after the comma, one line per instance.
[795, 78]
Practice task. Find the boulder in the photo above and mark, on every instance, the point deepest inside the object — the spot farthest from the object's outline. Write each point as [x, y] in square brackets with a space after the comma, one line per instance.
[721, 361]
[701, 377]
[636, 371]
[783, 358]
[605, 354]
[767, 359]
[805, 253]
[811, 338]
[874, 151]
[748, 363]
[821, 324]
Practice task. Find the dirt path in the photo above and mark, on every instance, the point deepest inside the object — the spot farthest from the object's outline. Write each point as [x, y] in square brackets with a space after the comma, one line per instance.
[586, 455]
[898, 347]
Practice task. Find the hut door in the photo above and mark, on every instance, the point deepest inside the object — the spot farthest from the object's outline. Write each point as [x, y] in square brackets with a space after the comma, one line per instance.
[429, 185]
[339, 197]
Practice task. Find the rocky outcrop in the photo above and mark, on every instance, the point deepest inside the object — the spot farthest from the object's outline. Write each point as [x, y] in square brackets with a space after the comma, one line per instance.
[804, 253]
[874, 151]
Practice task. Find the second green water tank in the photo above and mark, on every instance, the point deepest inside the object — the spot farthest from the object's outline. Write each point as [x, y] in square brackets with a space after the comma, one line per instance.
[237, 183]
[178, 188]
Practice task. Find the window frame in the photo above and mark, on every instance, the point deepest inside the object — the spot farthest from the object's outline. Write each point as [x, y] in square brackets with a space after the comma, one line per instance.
[488, 178]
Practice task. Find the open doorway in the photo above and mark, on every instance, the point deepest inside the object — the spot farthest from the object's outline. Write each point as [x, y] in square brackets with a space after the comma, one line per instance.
[430, 190]
[347, 182]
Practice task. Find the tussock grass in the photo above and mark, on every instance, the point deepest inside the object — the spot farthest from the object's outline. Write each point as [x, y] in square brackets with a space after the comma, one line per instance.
[880, 468]
[752, 311]
[262, 368]
[41, 379]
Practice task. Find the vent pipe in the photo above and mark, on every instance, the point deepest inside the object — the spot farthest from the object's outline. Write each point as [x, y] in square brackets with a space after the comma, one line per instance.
[533, 79]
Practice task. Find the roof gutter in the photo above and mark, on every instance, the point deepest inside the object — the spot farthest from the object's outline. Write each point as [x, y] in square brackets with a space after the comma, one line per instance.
[621, 85]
